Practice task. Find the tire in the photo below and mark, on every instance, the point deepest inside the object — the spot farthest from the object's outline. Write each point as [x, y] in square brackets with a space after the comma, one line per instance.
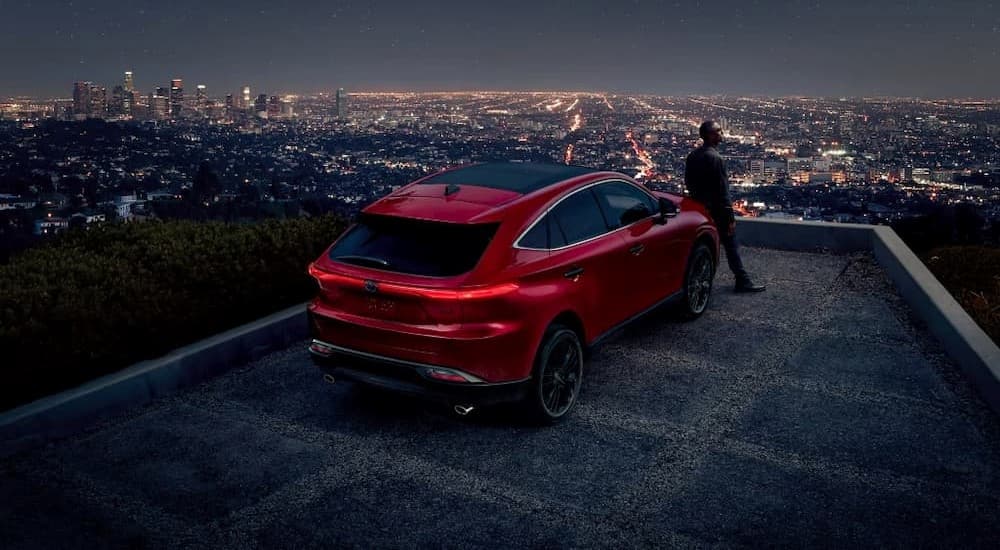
[698, 277]
[556, 377]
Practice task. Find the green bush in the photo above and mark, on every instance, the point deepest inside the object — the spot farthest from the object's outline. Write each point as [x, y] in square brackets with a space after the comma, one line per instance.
[972, 275]
[96, 301]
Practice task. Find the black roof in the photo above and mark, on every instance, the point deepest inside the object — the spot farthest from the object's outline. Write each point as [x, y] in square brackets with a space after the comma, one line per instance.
[521, 177]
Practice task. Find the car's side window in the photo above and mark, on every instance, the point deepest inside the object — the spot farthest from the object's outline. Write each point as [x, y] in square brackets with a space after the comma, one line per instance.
[579, 217]
[537, 236]
[544, 235]
[623, 204]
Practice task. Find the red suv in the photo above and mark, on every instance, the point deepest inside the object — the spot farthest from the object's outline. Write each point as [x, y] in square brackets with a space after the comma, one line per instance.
[486, 283]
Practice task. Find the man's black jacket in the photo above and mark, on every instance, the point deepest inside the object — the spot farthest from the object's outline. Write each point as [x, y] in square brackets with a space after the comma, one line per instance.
[706, 181]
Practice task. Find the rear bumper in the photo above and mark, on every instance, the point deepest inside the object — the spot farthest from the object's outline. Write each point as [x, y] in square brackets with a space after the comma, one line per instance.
[493, 352]
[407, 377]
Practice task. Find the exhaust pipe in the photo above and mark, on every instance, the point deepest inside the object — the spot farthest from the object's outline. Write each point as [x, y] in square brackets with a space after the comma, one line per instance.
[463, 410]
[329, 378]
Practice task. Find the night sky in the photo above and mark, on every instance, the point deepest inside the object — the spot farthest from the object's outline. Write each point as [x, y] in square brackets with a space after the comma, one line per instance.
[827, 48]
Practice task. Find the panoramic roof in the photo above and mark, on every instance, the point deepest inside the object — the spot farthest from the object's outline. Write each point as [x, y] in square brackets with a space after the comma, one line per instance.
[520, 177]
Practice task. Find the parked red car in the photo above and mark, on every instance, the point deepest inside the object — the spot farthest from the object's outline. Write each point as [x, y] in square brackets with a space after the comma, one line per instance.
[486, 283]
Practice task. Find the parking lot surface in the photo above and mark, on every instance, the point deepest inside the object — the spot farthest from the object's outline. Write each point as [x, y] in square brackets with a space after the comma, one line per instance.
[816, 413]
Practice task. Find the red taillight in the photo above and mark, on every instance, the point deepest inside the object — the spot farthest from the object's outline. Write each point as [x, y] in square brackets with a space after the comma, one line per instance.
[474, 293]
[441, 305]
[450, 375]
[320, 348]
[492, 291]
[445, 376]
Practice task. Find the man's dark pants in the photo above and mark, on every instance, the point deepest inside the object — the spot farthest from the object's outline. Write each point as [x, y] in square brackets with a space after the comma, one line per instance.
[728, 243]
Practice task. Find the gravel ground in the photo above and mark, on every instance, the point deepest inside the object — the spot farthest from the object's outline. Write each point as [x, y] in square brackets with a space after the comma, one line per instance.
[818, 413]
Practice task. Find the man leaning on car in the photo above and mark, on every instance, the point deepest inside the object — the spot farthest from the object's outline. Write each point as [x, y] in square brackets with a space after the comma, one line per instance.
[706, 181]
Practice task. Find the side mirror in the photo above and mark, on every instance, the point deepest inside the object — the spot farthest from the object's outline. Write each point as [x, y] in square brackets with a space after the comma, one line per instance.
[667, 210]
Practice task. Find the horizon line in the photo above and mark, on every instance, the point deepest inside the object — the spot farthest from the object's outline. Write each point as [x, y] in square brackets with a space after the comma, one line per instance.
[729, 95]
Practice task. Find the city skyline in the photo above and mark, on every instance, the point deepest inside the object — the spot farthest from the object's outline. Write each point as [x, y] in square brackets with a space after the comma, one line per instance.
[793, 48]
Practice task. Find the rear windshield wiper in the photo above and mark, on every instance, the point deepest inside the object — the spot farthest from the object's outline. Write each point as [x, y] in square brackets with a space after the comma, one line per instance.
[352, 259]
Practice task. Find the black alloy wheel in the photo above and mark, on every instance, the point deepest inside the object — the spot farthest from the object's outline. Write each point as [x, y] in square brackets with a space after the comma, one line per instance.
[557, 375]
[698, 279]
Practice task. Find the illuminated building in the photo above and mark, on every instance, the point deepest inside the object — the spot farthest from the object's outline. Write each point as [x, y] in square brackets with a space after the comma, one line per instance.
[273, 107]
[918, 175]
[81, 98]
[768, 170]
[799, 176]
[118, 101]
[246, 98]
[159, 106]
[129, 83]
[176, 97]
[342, 96]
[799, 164]
[98, 101]
[260, 106]
[201, 97]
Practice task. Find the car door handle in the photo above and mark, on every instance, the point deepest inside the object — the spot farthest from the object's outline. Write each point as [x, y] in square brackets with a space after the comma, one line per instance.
[637, 249]
[573, 273]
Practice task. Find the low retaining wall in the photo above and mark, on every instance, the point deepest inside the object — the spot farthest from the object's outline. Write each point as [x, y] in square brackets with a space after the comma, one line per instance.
[971, 348]
[805, 236]
[70, 411]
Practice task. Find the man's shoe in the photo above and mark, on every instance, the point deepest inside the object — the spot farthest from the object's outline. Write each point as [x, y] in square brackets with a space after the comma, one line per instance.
[747, 285]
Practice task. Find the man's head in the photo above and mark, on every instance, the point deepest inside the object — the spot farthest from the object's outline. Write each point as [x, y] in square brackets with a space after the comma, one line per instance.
[711, 132]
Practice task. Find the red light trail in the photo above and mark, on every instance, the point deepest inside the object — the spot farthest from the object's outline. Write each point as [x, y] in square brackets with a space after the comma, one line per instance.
[649, 167]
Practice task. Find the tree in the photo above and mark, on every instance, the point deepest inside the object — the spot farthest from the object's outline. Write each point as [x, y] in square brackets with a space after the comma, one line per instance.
[205, 186]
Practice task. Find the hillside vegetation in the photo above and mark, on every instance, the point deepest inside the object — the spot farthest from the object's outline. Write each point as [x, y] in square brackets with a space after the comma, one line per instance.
[95, 301]
[972, 275]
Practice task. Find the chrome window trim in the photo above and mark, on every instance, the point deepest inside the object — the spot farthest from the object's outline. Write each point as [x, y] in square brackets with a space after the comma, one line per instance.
[517, 246]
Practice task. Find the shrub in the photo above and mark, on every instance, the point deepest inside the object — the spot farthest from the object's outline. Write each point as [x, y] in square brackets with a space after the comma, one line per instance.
[95, 301]
[972, 275]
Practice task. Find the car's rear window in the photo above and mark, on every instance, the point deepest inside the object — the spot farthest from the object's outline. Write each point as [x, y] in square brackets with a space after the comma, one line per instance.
[416, 247]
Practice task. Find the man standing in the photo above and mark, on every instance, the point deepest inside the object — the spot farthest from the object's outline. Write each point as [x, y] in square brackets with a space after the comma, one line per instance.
[706, 182]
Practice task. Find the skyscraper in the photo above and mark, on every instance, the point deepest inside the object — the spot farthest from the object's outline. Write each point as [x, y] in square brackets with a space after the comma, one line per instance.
[118, 100]
[246, 98]
[81, 98]
[260, 106]
[128, 99]
[341, 103]
[201, 97]
[176, 97]
[159, 105]
[98, 101]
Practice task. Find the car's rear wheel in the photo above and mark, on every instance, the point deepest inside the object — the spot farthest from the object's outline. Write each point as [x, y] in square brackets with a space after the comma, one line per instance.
[556, 377]
[698, 277]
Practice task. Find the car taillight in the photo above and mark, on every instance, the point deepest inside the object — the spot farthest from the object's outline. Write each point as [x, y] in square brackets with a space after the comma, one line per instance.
[329, 283]
[468, 305]
[320, 348]
[446, 376]
[450, 375]
[478, 293]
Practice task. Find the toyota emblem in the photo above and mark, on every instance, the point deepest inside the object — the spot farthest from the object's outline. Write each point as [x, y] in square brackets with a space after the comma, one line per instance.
[371, 286]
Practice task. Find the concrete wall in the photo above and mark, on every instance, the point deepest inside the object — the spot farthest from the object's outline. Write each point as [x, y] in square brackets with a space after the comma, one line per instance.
[805, 236]
[67, 412]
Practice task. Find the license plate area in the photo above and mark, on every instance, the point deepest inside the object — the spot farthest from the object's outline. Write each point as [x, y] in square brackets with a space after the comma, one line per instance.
[380, 306]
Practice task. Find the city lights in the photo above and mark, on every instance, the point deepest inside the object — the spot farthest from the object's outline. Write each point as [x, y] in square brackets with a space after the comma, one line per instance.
[860, 160]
